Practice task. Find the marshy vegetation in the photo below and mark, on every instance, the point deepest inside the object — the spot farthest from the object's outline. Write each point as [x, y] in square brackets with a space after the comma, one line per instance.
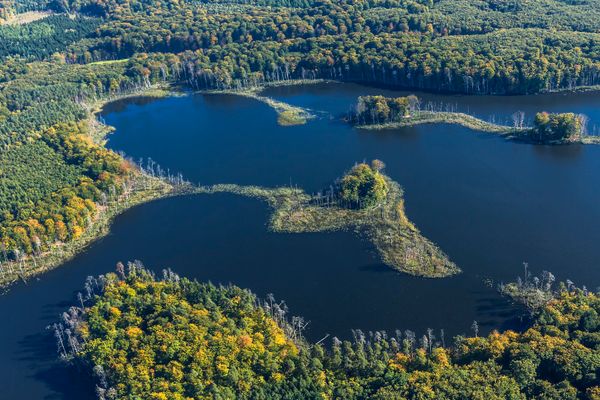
[364, 200]
[287, 114]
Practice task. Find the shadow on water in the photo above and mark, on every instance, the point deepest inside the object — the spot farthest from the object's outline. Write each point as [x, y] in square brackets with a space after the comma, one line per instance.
[377, 268]
[63, 380]
[564, 154]
[498, 309]
[122, 104]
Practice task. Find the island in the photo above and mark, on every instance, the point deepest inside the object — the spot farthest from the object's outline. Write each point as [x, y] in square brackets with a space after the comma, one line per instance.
[287, 114]
[379, 112]
[364, 200]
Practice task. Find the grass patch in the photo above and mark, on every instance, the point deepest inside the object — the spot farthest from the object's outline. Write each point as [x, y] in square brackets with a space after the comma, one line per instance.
[435, 117]
[109, 62]
[26, 17]
[290, 118]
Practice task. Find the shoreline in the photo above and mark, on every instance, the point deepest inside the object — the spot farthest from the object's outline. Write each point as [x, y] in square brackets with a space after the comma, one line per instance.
[408, 88]
[287, 114]
[577, 89]
[99, 130]
[476, 124]
[144, 189]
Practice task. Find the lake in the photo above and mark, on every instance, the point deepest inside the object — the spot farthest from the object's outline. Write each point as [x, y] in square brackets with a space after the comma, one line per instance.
[488, 203]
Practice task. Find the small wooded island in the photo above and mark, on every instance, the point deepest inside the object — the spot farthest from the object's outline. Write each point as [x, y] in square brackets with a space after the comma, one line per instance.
[379, 112]
[365, 200]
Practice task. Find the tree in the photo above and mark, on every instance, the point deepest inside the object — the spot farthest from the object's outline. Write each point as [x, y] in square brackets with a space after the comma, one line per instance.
[363, 186]
[558, 127]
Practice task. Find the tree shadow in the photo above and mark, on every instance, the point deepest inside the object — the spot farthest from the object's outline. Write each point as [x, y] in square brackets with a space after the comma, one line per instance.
[376, 268]
[65, 381]
[501, 314]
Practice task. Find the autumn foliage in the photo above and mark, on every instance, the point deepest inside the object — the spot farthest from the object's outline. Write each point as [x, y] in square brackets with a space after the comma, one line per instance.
[179, 339]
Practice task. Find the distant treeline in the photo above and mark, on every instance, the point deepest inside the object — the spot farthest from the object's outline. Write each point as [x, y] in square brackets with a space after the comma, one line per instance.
[493, 47]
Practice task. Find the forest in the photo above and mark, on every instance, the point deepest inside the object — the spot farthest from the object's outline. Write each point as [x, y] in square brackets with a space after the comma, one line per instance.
[493, 46]
[172, 338]
[52, 188]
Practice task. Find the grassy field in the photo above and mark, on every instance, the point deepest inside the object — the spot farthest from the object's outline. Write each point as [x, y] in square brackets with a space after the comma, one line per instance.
[26, 17]
[109, 62]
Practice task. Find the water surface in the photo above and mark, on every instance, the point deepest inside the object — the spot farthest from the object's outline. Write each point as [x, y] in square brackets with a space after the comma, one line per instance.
[488, 203]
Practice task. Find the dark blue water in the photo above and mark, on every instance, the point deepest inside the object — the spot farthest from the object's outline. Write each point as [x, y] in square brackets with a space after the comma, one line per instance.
[488, 203]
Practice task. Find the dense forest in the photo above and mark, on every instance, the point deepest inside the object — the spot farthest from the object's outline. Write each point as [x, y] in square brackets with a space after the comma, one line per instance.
[173, 338]
[51, 189]
[398, 43]
[55, 178]
[493, 46]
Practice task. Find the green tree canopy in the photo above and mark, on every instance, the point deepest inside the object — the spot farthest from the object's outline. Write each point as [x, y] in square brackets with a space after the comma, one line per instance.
[363, 186]
[561, 127]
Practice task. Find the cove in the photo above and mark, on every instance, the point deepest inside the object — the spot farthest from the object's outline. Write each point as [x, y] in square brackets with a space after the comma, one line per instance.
[488, 203]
